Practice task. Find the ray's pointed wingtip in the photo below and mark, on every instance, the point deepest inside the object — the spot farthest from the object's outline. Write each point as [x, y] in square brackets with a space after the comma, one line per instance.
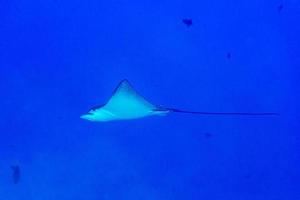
[124, 80]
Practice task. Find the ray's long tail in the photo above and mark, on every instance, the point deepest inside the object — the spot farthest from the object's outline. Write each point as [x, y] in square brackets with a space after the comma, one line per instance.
[224, 113]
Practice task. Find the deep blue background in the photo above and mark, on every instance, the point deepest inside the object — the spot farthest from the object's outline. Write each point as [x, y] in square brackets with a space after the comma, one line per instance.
[59, 58]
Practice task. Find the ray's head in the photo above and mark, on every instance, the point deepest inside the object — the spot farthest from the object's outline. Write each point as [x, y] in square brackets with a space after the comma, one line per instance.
[97, 114]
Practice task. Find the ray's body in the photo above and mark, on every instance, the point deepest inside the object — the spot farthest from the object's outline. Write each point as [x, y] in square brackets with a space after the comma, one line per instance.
[126, 104]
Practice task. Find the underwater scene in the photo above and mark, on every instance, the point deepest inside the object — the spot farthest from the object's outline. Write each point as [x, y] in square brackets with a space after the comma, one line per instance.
[150, 100]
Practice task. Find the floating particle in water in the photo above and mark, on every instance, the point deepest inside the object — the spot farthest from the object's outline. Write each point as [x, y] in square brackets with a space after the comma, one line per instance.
[247, 176]
[280, 7]
[188, 22]
[16, 173]
[228, 55]
[208, 135]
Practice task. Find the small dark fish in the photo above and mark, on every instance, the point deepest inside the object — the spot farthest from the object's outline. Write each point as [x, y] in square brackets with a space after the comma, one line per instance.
[208, 135]
[16, 173]
[188, 22]
[228, 55]
[247, 176]
[280, 7]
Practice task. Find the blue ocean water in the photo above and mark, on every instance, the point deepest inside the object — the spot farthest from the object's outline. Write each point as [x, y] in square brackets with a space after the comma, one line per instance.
[59, 58]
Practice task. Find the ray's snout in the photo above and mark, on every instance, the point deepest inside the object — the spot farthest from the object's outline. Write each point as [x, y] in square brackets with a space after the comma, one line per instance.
[87, 117]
